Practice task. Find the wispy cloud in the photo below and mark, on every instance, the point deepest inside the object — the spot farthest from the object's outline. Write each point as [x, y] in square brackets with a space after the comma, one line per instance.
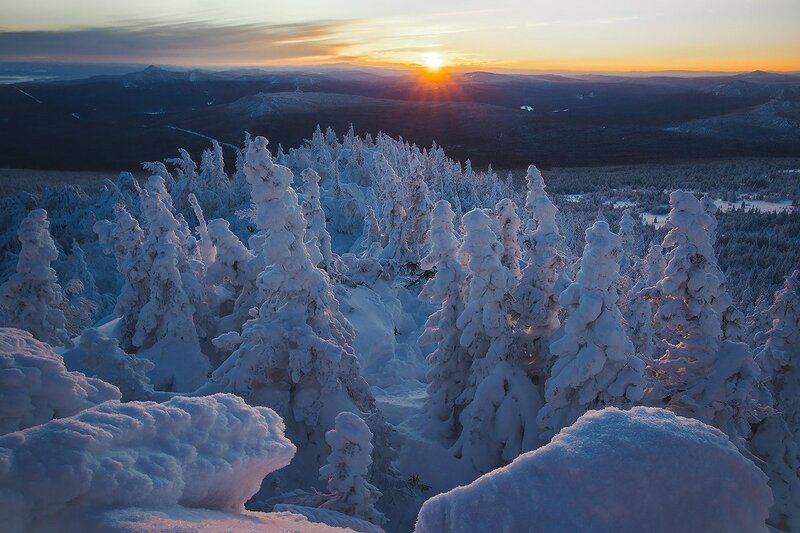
[191, 43]
[600, 21]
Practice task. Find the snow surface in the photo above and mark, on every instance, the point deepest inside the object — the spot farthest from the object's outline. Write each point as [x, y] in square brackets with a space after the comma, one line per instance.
[638, 470]
[183, 520]
[211, 452]
[36, 387]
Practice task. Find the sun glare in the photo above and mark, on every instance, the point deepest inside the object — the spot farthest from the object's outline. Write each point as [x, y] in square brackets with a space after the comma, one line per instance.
[432, 61]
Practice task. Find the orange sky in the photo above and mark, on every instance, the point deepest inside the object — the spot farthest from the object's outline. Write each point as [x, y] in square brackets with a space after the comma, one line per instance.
[599, 35]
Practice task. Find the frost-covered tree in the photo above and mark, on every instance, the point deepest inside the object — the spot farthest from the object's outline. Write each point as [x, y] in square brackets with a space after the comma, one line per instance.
[499, 420]
[627, 234]
[704, 376]
[779, 356]
[773, 443]
[595, 364]
[99, 356]
[157, 168]
[393, 214]
[185, 180]
[372, 236]
[418, 213]
[510, 224]
[206, 248]
[231, 266]
[124, 238]
[449, 362]
[345, 474]
[535, 304]
[639, 311]
[31, 299]
[485, 326]
[296, 355]
[167, 313]
[317, 237]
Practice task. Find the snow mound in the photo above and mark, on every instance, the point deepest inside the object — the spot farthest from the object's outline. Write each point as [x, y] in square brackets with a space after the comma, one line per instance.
[36, 387]
[183, 520]
[639, 470]
[211, 452]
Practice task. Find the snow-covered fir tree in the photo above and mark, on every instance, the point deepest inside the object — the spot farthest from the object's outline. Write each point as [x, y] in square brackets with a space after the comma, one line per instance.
[296, 354]
[498, 421]
[449, 361]
[595, 364]
[418, 213]
[510, 224]
[535, 304]
[393, 214]
[124, 238]
[704, 376]
[639, 309]
[345, 474]
[317, 237]
[372, 236]
[31, 299]
[779, 356]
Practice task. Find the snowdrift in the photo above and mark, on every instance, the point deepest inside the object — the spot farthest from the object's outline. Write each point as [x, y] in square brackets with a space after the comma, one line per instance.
[211, 452]
[639, 470]
[36, 387]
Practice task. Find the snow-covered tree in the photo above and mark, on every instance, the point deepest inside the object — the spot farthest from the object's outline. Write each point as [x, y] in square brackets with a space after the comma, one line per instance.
[207, 251]
[372, 236]
[449, 362]
[185, 179]
[99, 356]
[296, 354]
[627, 234]
[31, 299]
[231, 266]
[499, 421]
[639, 311]
[595, 365]
[704, 376]
[773, 443]
[535, 303]
[393, 214]
[124, 238]
[168, 313]
[345, 474]
[510, 224]
[317, 237]
[418, 213]
[779, 356]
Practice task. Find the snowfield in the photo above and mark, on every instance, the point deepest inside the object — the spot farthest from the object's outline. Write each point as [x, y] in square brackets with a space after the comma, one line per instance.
[358, 334]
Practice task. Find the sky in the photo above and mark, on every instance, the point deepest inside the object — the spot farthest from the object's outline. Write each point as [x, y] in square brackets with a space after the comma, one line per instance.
[566, 35]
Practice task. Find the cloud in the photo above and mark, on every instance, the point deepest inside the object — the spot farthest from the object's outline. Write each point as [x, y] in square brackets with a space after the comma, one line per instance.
[189, 43]
[602, 21]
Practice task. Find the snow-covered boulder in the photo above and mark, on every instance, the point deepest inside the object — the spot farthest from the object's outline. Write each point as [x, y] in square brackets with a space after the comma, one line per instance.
[211, 452]
[639, 470]
[36, 387]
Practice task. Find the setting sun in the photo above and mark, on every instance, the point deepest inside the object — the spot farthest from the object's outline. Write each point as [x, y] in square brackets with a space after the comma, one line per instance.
[432, 61]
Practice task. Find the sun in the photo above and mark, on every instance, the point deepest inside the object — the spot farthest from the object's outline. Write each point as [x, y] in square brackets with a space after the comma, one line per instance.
[432, 61]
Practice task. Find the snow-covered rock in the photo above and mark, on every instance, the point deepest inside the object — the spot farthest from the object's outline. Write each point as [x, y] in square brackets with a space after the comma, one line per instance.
[616, 471]
[210, 452]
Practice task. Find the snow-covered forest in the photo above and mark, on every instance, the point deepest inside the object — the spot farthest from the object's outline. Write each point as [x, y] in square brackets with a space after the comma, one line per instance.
[359, 333]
